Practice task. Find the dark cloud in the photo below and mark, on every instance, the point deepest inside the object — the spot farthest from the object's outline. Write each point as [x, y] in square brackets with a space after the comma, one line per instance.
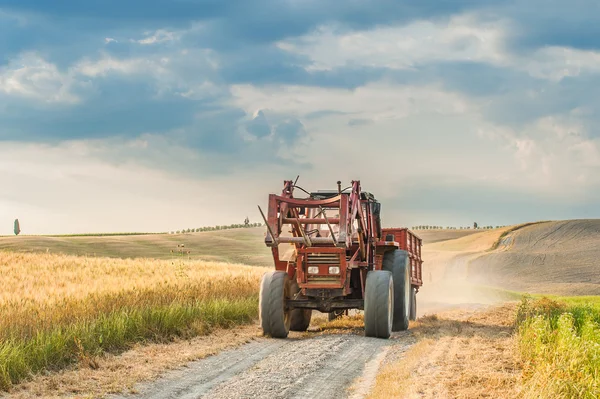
[539, 23]
[259, 126]
[241, 37]
[289, 131]
[115, 107]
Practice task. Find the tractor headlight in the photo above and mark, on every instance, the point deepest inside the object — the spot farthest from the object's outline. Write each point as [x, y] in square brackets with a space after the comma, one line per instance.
[313, 270]
[334, 270]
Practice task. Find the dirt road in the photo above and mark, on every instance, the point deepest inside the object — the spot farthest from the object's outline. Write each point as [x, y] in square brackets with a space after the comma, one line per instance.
[302, 366]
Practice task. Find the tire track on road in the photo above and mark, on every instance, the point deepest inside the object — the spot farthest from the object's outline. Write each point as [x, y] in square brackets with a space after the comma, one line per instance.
[322, 366]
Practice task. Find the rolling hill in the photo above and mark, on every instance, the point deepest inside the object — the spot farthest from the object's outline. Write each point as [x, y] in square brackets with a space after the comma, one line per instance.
[559, 257]
[244, 245]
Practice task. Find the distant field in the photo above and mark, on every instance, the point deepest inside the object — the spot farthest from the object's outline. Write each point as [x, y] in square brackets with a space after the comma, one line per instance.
[244, 245]
[550, 257]
[433, 236]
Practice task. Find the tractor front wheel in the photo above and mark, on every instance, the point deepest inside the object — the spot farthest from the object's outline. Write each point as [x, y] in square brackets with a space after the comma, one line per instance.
[275, 318]
[379, 304]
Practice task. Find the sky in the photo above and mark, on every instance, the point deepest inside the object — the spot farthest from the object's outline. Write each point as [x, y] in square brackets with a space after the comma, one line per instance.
[167, 115]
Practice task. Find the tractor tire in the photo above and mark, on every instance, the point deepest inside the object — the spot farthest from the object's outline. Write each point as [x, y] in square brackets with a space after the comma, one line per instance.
[300, 319]
[413, 304]
[379, 304]
[275, 319]
[333, 315]
[398, 263]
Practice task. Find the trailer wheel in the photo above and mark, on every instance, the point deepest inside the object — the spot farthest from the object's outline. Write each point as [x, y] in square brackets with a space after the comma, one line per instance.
[274, 317]
[413, 304]
[398, 263]
[379, 304]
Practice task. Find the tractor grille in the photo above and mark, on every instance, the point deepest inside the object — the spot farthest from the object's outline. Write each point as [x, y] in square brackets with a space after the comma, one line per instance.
[314, 259]
[323, 279]
[324, 260]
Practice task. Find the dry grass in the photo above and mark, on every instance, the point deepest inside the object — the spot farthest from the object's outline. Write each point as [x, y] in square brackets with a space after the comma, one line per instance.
[437, 235]
[345, 324]
[121, 373]
[57, 309]
[458, 355]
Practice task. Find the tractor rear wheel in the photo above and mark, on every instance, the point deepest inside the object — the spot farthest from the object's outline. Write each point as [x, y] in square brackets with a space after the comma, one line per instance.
[275, 319]
[300, 319]
[398, 263]
[379, 304]
[413, 304]
[334, 314]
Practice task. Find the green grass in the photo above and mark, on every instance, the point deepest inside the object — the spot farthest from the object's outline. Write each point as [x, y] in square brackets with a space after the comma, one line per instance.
[53, 349]
[559, 343]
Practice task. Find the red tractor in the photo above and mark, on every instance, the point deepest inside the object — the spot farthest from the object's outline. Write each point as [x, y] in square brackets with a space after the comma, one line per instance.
[331, 254]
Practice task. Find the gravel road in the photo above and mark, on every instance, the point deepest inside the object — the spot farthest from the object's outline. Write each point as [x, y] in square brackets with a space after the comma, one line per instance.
[322, 366]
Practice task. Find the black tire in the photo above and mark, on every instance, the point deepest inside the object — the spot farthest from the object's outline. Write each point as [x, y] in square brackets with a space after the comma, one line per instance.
[300, 319]
[379, 304]
[413, 304]
[274, 318]
[398, 263]
[333, 315]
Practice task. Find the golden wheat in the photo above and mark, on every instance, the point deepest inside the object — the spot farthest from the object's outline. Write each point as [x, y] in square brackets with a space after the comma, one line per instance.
[54, 306]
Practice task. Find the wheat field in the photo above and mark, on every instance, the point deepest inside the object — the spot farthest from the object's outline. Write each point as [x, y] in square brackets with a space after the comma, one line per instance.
[57, 309]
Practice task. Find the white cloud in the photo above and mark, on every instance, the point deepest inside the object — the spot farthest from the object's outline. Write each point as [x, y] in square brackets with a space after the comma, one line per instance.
[375, 101]
[73, 188]
[438, 133]
[107, 64]
[31, 76]
[462, 38]
[554, 154]
[160, 36]
[465, 37]
[555, 63]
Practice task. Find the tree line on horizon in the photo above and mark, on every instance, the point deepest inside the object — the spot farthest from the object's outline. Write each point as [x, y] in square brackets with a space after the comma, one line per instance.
[218, 227]
[475, 227]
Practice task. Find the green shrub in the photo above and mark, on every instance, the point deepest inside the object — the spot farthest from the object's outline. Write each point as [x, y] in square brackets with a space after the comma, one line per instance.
[559, 344]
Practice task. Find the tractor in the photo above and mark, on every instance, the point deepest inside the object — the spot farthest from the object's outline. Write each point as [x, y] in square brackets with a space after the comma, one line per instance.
[331, 254]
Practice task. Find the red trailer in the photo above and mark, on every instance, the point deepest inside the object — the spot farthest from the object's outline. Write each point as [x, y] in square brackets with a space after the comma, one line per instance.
[331, 254]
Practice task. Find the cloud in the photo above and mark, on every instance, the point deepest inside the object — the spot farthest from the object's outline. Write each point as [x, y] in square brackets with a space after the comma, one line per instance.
[462, 38]
[259, 126]
[160, 36]
[289, 131]
[30, 76]
[487, 101]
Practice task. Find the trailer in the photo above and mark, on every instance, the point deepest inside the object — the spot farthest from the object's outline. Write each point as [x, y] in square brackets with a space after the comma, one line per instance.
[331, 254]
